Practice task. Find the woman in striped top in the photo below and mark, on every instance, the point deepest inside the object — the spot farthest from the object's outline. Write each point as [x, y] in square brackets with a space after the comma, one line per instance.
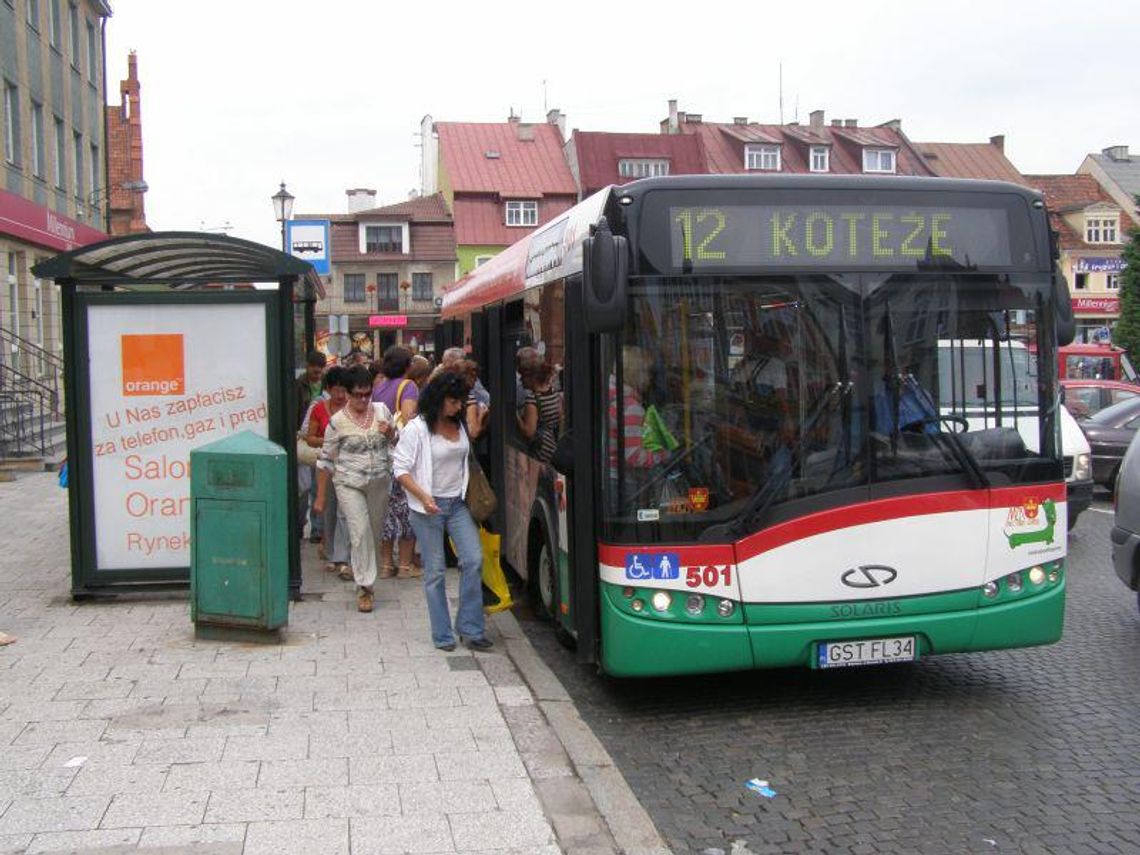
[540, 409]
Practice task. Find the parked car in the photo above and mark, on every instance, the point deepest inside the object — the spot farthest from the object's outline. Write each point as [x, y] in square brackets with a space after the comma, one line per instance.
[1126, 525]
[1086, 398]
[1109, 433]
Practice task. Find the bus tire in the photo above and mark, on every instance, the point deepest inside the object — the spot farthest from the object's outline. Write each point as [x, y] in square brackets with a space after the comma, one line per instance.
[545, 589]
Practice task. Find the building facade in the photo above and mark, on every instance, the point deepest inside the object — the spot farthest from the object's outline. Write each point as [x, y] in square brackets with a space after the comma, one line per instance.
[500, 181]
[389, 267]
[126, 208]
[1091, 230]
[1118, 174]
[52, 174]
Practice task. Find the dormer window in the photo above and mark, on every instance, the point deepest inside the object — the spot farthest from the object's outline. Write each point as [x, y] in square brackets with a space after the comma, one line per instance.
[820, 159]
[522, 213]
[766, 157]
[879, 160]
[384, 238]
[642, 167]
[1101, 229]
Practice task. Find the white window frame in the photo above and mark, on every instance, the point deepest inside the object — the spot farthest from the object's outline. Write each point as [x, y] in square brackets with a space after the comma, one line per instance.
[37, 114]
[60, 132]
[363, 298]
[13, 297]
[873, 160]
[524, 212]
[405, 234]
[480, 260]
[1102, 228]
[431, 286]
[642, 167]
[765, 158]
[1112, 282]
[92, 52]
[824, 154]
[11, 124]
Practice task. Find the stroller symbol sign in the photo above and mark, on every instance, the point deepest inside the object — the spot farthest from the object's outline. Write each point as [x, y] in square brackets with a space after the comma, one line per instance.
[641, 565]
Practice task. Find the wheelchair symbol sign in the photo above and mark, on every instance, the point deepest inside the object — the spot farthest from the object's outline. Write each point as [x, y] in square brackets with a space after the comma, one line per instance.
[640, 566]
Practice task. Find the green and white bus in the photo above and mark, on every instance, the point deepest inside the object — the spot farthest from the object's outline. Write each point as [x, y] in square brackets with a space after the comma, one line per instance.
[760, 461]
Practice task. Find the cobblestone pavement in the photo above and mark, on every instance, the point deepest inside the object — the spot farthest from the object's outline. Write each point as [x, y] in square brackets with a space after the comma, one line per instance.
[119, 730]
[1034, 750]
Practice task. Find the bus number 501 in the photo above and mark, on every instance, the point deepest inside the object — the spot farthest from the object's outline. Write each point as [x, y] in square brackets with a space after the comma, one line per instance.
[709, 576]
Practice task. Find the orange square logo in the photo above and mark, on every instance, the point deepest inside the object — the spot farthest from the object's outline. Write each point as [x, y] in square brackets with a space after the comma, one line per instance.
[153, 364]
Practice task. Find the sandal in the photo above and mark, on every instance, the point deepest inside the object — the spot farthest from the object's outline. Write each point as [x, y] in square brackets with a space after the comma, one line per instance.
[409, 572]
[387, 571]
[364, 600]
[344, 572]
[330, 567]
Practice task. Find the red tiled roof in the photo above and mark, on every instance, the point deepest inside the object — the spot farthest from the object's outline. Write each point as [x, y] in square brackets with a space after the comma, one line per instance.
[431, 208]
[598, 155]
[723, 146]
[524, 168]
[969, 160]
[1068, 193]
[481, 220]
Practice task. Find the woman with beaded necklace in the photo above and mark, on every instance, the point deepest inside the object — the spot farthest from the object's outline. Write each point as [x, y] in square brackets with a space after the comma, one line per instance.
[358, 441]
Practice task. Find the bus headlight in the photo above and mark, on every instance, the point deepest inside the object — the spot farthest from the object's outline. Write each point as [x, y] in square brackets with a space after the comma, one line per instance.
[694, 605]
[662, 600]
[1013, 582]
[725, 608]
[637, 605]
[990, 589]
[1081, 470]
[1036, 575]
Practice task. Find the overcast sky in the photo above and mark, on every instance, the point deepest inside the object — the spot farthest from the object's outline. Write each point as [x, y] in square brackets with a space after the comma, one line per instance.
[240, 95]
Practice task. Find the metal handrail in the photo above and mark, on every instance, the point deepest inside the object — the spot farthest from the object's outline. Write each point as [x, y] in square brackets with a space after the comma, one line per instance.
[40, 352]
[23, 423]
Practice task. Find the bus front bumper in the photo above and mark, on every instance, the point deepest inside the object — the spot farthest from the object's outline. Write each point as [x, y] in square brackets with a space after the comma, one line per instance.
[635, 646]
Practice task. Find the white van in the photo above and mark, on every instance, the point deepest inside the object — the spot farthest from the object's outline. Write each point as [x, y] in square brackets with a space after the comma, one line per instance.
[966, 366]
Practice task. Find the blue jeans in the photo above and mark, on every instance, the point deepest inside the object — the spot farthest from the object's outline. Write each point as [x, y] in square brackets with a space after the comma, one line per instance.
[455, 521]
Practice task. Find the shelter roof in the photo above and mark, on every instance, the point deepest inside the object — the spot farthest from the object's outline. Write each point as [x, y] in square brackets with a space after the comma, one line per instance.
[176, 259]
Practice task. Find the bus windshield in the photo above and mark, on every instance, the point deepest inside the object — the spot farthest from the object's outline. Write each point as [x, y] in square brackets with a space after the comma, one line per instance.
[733, 401]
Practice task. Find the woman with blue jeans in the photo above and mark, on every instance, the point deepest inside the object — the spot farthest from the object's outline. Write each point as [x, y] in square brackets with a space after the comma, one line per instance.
[430, 462]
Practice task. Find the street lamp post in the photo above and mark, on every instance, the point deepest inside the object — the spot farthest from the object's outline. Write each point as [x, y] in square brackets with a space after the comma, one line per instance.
[283, 211]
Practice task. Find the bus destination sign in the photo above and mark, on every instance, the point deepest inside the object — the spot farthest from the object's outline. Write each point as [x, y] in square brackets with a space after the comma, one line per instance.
[720, 236]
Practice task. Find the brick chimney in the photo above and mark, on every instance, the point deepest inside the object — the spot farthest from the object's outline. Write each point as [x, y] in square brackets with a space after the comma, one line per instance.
[998, 142]
[125, 200]
[815, 120]
[850, 123]
[557, 118]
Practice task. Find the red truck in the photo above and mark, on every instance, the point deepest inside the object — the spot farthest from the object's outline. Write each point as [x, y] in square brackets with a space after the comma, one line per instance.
[1095, 362]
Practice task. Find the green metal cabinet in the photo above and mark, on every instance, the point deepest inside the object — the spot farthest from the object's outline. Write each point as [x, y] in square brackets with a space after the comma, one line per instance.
[239, 542]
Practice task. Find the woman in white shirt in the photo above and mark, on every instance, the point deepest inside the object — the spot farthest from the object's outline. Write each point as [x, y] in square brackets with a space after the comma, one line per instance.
[430, 462]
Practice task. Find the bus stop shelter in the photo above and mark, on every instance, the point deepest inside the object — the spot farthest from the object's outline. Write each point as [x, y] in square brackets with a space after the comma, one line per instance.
[168, 345]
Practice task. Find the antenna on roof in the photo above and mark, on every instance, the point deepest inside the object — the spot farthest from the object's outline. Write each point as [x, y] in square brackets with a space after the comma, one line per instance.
[780, 78]
[797, 108]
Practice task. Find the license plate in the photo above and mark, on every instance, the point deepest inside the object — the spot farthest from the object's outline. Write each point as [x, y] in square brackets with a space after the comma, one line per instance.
[867, 651]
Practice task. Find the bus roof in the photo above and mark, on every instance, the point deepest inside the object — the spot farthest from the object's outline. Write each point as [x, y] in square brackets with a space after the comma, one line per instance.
[550, 252]
[553, 251]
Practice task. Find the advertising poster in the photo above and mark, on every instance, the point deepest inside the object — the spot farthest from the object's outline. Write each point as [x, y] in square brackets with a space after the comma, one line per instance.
[165, 379]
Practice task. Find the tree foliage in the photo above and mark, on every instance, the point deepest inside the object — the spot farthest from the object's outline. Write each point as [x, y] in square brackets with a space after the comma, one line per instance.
[1126, 333]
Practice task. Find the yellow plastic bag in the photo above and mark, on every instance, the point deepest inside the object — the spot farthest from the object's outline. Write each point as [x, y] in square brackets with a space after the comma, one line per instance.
[496, 593]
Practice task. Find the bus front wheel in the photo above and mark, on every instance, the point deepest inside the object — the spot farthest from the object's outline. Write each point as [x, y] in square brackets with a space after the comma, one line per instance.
[546, 594]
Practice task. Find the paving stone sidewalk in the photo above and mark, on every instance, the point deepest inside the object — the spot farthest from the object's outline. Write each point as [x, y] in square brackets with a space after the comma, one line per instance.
[118, 730]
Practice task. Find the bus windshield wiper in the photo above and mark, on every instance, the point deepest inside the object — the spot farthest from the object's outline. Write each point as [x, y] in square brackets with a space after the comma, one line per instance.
[763, 498]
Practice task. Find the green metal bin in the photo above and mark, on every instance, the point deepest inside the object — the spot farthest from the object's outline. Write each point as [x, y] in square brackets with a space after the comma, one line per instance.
[239, 542]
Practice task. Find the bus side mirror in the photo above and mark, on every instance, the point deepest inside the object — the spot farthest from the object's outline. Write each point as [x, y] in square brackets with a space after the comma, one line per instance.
[605, 279]
[1066, 323]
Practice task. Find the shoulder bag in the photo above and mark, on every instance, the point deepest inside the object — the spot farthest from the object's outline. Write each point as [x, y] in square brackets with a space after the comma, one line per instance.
[481, 500]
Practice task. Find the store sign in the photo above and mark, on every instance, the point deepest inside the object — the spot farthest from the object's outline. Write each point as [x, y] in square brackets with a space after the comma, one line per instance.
[159, 389]
[387, 320]
[42, 226]
[1099, 305]
[1098, 265]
